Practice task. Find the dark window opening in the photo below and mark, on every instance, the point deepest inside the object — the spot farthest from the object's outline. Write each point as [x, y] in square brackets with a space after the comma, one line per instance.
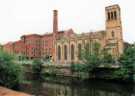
[115, 15]
[112, 15]
[65, 52]
[113, 34]
[109, 17]
[79, 51]
[72, 52]
[59, 53]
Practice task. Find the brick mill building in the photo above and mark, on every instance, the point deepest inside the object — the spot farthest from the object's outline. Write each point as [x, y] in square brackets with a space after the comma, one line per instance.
[64, 46]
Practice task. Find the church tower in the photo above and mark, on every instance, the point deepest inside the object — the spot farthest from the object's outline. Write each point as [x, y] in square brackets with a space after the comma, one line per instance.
[114, 36]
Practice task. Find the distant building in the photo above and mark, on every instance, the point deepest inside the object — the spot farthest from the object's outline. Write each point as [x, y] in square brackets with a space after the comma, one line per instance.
[64, 46]
[68, 48]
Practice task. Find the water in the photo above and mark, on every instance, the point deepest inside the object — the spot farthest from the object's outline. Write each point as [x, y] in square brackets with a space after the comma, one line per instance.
[91, 88]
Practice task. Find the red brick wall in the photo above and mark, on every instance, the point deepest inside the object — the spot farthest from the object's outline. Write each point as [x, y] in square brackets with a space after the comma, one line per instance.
[19, 47]
[8, 48]
[32, 45]
[47, 45]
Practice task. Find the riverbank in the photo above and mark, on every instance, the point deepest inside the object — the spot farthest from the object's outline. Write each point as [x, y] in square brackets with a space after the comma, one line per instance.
[65, 71]
[8, 92]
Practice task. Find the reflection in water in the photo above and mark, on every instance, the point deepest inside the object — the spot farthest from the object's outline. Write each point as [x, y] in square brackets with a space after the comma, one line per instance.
[93, 88]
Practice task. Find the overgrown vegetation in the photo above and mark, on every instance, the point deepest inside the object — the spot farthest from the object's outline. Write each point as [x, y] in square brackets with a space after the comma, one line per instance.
[93, 57]
[10, 72]
[107, 59]
[127, 62]
[37, 68]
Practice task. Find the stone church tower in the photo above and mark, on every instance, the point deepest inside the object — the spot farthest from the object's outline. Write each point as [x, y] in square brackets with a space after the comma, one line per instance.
[114, 38]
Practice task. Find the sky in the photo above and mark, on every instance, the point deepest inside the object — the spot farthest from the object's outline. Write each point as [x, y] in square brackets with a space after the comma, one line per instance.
[19, 17]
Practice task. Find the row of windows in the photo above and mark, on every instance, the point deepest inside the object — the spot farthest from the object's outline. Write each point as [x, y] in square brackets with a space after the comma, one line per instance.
[35, 51]
[59, 51]
[47, 53]
[44, 43]
[37, 42]
[33, 42]
[88, 46]
[112, 15]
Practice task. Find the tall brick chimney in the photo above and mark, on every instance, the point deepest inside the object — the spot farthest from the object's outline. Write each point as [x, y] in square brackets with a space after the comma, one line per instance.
[55, 31]
[55, 21]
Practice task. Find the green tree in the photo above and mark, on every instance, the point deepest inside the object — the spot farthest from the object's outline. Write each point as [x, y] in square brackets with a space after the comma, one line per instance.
[127, 61]
[10, 72]
[37, 68]
[78, 68]
[127, 64]
[96, 48]
[107, 59]
[91, 56]
[127, 45]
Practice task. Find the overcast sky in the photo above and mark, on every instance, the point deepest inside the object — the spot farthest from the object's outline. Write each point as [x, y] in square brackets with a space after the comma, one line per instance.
[19, 17]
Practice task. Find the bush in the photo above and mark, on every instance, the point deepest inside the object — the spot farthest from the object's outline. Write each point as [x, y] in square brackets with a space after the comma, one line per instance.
[127, 61]
[37, 68]
[79, 68]
[121, 73]
[10, 72]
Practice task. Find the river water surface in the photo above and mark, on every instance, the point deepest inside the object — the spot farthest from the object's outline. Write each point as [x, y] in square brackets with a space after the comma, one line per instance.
[90, 88]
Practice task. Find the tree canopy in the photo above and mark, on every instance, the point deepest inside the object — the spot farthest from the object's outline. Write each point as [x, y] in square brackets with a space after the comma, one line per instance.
[10, 72]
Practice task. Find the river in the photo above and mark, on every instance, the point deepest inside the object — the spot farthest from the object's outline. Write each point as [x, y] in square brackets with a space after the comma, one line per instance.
[89, 88]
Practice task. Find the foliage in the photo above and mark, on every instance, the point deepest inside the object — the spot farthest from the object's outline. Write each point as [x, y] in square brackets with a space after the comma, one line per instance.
[79, 67]
[128, 58]
[91, 56]
[121, 73]
[1, 47]
[96, 48]
[127, 63]
[107, 59]
[37, 68]
[127, 45]
[10, 72]
[81, 70]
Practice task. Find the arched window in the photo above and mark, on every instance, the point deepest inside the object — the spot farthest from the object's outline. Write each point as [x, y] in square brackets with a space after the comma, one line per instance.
[79, 51]
[113, 34]
[72, 52]
[65, 52]
[109, 17]
[112, 15]
[87, 46]
[115, 15]
[59, 53]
